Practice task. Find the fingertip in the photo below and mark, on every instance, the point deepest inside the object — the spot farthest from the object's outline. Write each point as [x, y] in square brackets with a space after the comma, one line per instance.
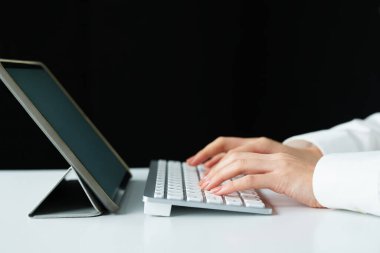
[196, 160]
[190, 160]
[207, 165]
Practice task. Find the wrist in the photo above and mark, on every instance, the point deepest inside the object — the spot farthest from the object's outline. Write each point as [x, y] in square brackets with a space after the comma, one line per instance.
[314, 150]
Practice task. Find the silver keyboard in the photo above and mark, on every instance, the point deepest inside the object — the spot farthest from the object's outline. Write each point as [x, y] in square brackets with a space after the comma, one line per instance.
[175, 183]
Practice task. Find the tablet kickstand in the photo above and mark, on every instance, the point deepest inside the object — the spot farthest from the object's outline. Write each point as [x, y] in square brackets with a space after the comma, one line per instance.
[69, 198]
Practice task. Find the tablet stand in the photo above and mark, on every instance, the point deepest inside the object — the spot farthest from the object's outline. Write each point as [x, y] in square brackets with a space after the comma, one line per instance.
[69, 198]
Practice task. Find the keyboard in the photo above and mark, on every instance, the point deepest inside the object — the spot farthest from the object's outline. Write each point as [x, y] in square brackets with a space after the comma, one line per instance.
[174, 183]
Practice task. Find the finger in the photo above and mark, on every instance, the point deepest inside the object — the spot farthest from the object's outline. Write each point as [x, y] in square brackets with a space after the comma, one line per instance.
[214, 160]
[208, 166]
[188, 160]
[246, 163]
[257, 181]
[224, 161]
[221, 144]
[258, 145]
[232, 157]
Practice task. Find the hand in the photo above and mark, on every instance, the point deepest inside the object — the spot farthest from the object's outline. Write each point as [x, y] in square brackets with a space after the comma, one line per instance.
[263, 163]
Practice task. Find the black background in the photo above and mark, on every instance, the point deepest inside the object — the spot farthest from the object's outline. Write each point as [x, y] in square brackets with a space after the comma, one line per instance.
[161, 79]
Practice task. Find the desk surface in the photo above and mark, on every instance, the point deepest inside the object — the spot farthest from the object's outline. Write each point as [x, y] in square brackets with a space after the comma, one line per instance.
[292, 228]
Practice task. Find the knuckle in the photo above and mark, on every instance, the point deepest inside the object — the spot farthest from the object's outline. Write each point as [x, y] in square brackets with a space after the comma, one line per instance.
[233, 156]
[220, 142]
[220, 139]
[262, 140]
[230, 152]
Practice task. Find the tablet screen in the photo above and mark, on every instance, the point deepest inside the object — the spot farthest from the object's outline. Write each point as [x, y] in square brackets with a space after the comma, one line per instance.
[51, 101]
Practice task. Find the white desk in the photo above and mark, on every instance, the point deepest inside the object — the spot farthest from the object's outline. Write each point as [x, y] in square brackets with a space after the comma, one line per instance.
[293, 228]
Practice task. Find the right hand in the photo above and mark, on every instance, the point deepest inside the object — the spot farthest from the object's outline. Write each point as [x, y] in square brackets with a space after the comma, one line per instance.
[264, 163]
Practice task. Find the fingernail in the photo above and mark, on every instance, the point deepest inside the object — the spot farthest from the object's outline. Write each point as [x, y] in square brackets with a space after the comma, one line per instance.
[216, 189]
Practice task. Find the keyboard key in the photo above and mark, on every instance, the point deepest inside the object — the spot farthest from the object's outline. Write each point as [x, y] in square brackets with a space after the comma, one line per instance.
[249, 192]
[250, 196]
[233, 201]
[195, 197]
[175, 196]
[252, 201]
[233, 194]
[159, 194]
[212, 198]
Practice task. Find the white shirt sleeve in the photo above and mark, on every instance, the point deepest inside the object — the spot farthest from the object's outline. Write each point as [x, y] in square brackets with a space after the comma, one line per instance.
[348, 175]
[356, 135]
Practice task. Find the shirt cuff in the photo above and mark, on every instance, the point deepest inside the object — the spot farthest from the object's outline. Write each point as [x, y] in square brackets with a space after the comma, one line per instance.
[328, 141]
[348, 181]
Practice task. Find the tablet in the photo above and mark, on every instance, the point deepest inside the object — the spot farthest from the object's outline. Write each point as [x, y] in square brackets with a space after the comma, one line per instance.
[68, 128]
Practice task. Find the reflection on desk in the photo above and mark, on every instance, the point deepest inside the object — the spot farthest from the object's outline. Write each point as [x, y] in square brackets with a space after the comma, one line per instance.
[292, 227]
